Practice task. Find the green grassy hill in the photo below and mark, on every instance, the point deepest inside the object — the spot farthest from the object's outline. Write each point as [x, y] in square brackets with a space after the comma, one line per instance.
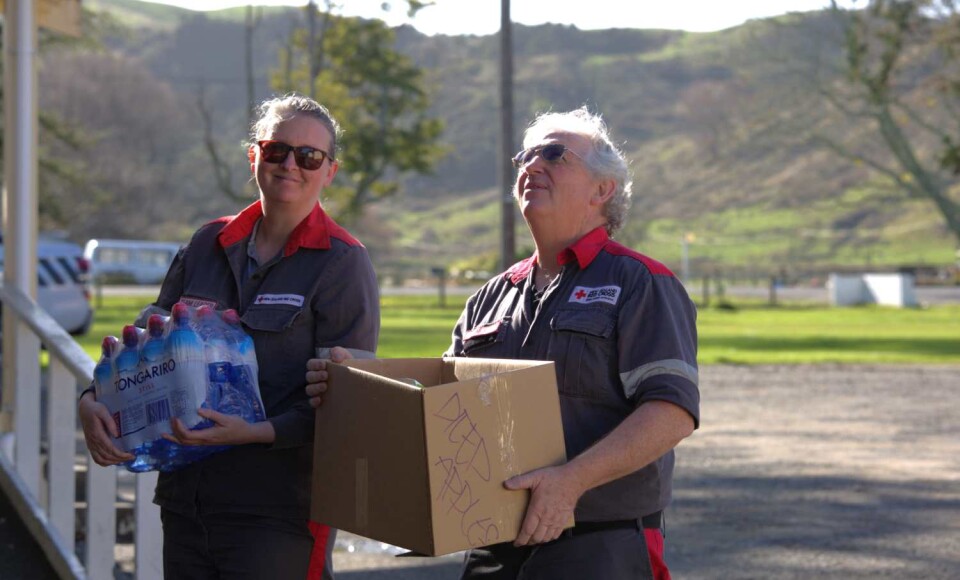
[719, 129]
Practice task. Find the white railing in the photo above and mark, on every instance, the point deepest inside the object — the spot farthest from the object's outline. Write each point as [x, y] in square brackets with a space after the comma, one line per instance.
[45, 498]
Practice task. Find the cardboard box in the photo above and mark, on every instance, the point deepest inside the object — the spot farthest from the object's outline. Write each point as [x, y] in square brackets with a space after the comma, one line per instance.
[423, 468]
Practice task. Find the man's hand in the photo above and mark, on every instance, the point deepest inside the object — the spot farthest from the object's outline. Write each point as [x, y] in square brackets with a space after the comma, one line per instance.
[98, 428]
[650, 431]
[227, 430]
[554, 492]
[317, 374]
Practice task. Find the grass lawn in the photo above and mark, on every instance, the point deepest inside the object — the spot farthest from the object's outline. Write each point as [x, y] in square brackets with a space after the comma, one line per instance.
[415, 326]
[820, 334]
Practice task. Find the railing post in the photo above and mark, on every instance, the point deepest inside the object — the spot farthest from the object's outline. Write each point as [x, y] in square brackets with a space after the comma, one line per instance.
[148, 536]
[26, 407]
[61, 449]
[101, 520]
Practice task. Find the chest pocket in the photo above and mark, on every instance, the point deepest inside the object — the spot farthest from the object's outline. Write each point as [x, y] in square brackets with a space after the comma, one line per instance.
[277, 342]
[270, 318]
[483, 337]
[595, 322]
[582, 343]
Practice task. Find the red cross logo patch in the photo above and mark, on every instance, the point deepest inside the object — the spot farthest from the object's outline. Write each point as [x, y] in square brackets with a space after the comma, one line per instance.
[585, 295]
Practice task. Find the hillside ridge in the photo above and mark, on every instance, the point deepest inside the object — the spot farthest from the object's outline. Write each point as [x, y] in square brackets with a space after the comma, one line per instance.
[717, 127]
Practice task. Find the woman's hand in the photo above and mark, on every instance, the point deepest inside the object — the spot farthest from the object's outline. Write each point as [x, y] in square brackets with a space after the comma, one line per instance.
[99, 430]
[227, 430]
[317, 374]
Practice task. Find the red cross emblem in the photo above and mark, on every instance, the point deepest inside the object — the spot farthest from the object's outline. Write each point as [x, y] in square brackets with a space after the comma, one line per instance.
[580, 295]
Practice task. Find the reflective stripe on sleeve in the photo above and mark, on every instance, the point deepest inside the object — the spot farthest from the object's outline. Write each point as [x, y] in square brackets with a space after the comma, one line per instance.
[632, 379]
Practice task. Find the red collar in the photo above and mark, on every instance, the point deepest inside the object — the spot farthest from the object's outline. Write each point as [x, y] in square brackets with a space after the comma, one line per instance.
[313, 232]
[584, 251]
[519, 271]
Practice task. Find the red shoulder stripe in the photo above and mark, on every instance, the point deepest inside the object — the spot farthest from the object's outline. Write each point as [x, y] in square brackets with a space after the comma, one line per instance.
[656, 268]
[339, 232]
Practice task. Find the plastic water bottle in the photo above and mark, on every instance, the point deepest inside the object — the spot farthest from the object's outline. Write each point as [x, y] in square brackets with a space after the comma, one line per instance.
[183, 344]
[129, 356]
[158, 453]
[153, 351]
[103, 375]
[103, 372]
[243, 379]
[152, 453]
[217, 356]
[132, 417]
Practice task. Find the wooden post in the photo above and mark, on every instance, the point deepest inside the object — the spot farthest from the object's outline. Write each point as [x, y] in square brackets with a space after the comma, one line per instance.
[507, 202]
[441, 274]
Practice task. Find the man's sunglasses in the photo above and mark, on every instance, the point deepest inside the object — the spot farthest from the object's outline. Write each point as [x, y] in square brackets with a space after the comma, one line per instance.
[308, 158]
[551, 153]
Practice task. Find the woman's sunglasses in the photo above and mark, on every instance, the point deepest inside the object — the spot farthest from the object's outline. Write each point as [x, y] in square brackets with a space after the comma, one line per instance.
[551, 153]
[308, 158]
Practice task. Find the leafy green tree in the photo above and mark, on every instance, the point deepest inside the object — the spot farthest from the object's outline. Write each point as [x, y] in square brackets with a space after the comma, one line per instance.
[379, 98]
[901, 62]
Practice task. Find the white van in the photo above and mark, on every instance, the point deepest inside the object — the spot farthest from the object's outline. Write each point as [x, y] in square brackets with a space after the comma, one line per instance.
[62, 285]
[129, 261]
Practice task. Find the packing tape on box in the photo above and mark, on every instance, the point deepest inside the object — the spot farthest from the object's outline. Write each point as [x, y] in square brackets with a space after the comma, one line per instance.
[491, 390]
[484, 389]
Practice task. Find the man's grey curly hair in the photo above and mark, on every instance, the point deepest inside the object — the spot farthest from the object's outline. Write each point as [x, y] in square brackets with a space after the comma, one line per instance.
[605, 160]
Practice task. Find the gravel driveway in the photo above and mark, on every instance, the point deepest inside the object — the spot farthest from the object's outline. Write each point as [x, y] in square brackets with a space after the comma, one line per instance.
[826, 471]
[821, 472]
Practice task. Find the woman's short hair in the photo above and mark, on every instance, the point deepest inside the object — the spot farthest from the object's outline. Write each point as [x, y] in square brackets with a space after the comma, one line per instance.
[272, 111]
[605, 160]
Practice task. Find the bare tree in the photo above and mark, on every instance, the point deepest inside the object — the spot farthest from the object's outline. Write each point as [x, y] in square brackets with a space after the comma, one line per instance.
[131, 156]
[222, 168]
[901, 63]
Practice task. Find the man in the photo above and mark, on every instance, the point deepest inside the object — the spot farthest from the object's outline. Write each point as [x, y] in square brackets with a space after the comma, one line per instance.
[621, 332]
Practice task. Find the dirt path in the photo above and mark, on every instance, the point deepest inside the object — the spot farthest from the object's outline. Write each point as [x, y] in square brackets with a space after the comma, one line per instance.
[803, 472]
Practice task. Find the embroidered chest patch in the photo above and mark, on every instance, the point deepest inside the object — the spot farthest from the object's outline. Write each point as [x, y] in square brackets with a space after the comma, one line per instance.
[584, 295]
[285, 299]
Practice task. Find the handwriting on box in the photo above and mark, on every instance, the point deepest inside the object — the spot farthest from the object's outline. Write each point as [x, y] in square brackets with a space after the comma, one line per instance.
[465, 463]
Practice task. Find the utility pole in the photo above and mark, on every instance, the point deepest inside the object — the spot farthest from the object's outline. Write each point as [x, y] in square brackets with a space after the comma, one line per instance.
[249, 28]
[312, 46]
[507, 204]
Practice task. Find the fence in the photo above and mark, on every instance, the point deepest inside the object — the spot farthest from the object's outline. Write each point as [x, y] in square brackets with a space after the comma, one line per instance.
[40, 474]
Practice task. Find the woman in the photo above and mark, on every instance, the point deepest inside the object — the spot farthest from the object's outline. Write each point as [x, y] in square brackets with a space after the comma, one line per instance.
[302, 284]
[620, 330]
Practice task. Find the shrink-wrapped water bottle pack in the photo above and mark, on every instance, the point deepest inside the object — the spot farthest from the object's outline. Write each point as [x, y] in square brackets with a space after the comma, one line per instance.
[195, 358]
